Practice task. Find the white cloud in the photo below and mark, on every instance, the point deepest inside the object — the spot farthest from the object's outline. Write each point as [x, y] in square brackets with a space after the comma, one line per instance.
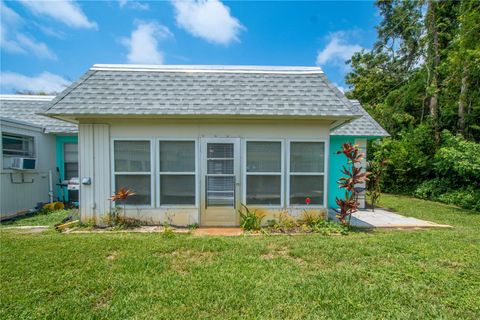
[39, 49]
[338, 49]
[207, 19]
[44, 82]
[65, 11]
[132, 4]
[143, 43]
[14, 41]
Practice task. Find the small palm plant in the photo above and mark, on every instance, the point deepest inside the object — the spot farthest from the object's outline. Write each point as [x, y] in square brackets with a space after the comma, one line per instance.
[353, 176]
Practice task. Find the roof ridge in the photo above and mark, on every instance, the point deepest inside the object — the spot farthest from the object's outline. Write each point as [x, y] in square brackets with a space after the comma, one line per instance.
[26, 97]
[209, 68]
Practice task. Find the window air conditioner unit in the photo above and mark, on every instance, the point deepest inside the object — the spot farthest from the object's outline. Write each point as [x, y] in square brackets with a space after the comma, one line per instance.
[24, 163]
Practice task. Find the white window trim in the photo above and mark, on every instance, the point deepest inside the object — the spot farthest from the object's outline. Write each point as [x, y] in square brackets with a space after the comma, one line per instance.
[157, 175]
[281, 173]
[151, 173]
[324, 174]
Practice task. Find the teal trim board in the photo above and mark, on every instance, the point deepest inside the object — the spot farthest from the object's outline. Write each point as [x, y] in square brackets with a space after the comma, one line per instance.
[336, 163]
[60, 142]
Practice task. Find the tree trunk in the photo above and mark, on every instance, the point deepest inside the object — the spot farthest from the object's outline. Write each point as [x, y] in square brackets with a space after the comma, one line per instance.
[461, 103]
[434, 58]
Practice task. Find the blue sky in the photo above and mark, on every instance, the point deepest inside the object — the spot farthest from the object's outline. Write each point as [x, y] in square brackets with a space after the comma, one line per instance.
[46, 45]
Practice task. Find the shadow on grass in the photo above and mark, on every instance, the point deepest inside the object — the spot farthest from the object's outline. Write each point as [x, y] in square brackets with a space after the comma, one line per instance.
[38, 218]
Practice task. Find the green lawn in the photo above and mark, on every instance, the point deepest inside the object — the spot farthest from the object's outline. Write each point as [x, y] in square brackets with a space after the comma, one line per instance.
[387, 274]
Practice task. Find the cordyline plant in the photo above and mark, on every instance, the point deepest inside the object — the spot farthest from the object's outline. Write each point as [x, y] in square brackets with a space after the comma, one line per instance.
[353, 176]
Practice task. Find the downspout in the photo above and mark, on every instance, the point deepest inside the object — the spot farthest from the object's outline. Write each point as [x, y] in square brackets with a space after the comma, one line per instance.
[50, 185]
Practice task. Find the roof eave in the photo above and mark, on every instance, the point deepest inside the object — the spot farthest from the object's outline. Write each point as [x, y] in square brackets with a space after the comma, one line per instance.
[73, 118]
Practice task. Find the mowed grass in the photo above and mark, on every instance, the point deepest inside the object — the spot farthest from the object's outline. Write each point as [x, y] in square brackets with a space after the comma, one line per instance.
[384, 274]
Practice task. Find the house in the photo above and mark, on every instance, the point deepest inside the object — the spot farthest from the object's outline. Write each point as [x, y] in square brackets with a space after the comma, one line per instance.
[43, 144]
[196, 142]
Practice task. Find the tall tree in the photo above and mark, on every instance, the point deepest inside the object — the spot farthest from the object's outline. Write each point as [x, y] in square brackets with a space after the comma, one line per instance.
[433, 62]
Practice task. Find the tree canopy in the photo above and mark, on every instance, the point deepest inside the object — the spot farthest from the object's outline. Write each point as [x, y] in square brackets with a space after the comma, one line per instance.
[421, 82]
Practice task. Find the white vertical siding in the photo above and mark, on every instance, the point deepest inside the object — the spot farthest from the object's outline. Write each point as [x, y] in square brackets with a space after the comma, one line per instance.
[86, 170]
[101, 152]
[94, 161]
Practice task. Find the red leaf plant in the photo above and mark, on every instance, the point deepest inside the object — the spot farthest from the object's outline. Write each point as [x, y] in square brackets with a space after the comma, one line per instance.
[353, 176]
[122, 194]
[120, 197]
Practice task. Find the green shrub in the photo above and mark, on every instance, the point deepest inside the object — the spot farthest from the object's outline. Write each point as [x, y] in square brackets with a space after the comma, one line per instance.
[431, 189]
[326, 227]
[448, 173]
[408, 159]
[192, 226]
[311, 217]
[284, 224]
[468, 198]
[310, 221]
[458, 159]
[249, 219]
[444, 190]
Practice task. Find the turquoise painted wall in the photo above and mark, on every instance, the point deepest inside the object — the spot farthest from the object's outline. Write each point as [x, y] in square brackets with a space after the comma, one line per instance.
[336, 163]
[60, 141]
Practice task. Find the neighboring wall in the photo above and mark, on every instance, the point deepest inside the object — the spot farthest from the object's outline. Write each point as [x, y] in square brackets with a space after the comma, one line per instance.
[337, 161]
[95, 155]
[17, 196]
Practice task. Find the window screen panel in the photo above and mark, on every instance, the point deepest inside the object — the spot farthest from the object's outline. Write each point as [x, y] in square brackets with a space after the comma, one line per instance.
[220, 191]
[264, 156]
[17, 145]
[177, 189]
[220, 166]
[139, 184]
[220, 150]
[302, 187]
[264, 190]
[177, 156]
[70, 152]
[307, 157]
[132, 156]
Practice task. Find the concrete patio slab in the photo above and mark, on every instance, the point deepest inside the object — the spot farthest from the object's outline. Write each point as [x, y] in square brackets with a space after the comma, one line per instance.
[382, 218]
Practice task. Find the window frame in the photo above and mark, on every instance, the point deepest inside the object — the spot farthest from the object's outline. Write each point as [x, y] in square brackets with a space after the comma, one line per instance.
[23, 137]
[245, 174]
[324, 174]
[151, 172]
[64, 144]
[158, 172]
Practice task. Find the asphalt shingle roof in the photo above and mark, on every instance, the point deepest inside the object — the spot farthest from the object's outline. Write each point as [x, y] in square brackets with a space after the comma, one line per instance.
[364, 126]
[202, 90]
[24, 107]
